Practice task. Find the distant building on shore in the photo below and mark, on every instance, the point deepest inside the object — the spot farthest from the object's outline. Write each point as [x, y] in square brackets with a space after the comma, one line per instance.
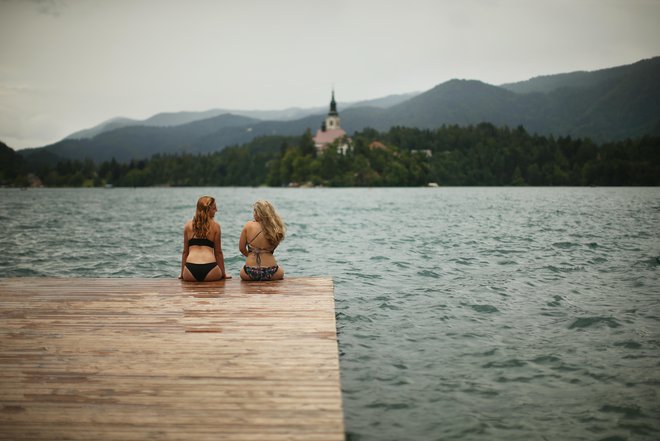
[331, 130]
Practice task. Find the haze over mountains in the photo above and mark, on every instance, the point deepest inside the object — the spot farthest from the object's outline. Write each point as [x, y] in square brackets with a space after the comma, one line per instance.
[604, 105]
[179, 118]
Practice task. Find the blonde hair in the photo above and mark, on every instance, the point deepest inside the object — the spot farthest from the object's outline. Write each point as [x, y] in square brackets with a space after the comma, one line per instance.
[271, 222]
[201, 223]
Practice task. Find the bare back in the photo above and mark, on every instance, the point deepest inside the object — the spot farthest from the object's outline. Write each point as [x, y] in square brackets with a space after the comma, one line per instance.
[197, 253]
[253, 237]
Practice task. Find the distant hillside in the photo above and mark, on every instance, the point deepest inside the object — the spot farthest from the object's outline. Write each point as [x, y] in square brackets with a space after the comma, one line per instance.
[105, 126]
[614, 104]
[459, 102]
[137, 142]
[11, 164]
[382, 103]
[169, 119]
[621, 103]
[140, 142]
[179, 118]
[606, 105]
[580, 79]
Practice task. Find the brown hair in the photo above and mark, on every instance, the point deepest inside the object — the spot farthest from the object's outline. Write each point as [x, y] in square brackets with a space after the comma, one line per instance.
[201, 223]
[271, 222]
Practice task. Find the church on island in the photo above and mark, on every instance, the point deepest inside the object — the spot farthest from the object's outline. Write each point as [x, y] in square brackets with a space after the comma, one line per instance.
[331, 130]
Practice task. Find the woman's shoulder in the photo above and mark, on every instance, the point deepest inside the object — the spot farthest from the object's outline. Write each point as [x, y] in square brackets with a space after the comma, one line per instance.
[251, 224]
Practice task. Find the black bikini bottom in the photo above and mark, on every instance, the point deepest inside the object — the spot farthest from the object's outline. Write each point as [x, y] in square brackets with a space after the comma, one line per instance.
[200, 270]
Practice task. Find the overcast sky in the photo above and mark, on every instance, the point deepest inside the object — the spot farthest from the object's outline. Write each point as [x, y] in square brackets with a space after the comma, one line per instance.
[66, 65]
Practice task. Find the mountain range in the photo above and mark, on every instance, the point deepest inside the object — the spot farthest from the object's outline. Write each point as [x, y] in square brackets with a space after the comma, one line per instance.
[178, 118]
[604, 105]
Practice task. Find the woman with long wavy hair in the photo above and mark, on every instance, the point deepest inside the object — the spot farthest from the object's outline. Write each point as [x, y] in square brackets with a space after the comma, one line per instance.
[202, 259]
[258, 241]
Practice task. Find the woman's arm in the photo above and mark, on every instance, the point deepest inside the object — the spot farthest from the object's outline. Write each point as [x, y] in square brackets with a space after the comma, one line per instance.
[242, 242]
[219, 256]
[184, 255]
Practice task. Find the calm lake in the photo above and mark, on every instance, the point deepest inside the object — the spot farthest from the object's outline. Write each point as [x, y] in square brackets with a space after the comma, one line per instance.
[463, 313]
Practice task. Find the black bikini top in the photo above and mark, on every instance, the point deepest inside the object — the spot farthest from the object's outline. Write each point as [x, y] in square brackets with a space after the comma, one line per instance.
[199, 241]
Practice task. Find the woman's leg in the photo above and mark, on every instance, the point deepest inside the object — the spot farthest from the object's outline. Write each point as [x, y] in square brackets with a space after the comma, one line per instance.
[214, 274]
[187, 275]
[279, 274]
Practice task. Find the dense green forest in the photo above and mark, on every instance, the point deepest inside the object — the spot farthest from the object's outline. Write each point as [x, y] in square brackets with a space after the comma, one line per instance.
[449, 156]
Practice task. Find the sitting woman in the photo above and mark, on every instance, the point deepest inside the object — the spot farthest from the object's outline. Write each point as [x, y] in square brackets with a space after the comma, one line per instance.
[258, 241]
[202, 259]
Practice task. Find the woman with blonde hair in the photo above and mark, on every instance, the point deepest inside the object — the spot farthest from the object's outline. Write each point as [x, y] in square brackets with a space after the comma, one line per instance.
[202, 259]
[265, 233]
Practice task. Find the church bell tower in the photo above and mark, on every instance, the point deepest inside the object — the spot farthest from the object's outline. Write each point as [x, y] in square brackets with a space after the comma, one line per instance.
[332, 120]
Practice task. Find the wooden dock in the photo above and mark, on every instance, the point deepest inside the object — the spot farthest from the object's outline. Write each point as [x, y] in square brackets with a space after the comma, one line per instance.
[161, 359]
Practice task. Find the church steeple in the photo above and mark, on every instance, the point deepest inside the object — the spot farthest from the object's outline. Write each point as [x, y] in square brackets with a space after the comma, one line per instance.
[332, 120]
[331, 130]
[333, 105]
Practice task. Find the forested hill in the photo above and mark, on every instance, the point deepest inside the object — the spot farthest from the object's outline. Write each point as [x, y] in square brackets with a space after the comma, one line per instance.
[585, 79]
[452, 155]
[608, 105]
[12, 167]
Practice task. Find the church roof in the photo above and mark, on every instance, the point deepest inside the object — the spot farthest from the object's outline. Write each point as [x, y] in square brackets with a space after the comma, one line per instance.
[328, 136]
[377, 145]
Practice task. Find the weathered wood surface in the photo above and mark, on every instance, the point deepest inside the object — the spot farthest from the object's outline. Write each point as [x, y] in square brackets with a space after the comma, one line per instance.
[138, 359]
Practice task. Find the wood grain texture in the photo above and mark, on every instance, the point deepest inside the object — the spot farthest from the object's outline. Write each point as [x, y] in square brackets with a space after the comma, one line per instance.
[142, 359]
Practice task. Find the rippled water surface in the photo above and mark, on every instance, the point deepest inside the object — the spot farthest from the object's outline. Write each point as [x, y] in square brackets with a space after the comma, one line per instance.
[463, 313]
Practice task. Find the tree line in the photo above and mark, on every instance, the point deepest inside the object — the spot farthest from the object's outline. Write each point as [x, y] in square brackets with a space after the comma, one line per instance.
[477, 155]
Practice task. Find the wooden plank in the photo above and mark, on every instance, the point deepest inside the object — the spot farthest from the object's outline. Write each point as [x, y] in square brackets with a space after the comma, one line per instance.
[140, 359]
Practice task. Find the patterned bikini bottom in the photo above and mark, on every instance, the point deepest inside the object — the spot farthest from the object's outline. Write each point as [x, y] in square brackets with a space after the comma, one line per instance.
[257, 273]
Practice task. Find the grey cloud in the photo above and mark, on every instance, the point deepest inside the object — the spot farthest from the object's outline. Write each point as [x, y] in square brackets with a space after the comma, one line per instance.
[50, 7]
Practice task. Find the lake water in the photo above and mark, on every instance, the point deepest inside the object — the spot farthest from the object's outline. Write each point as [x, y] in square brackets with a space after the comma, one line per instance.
[463, 313]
